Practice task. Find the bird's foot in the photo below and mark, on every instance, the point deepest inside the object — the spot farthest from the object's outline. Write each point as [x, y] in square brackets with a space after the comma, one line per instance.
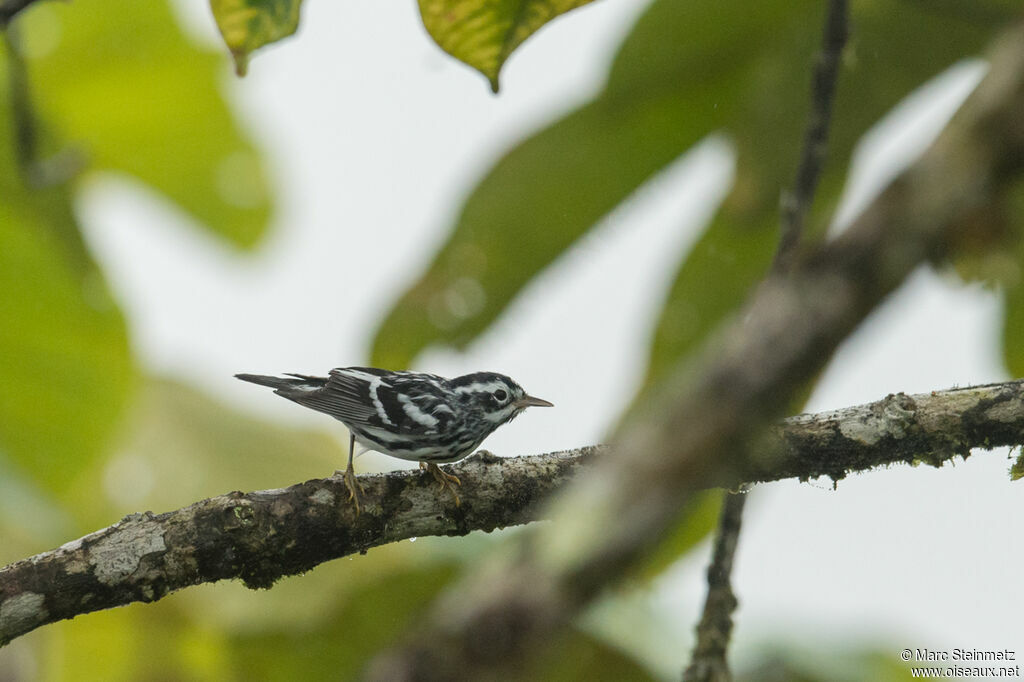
[445, 479]
[354, 487]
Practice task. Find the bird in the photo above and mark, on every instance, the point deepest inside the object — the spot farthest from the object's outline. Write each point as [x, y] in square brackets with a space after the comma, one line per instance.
[413, 416]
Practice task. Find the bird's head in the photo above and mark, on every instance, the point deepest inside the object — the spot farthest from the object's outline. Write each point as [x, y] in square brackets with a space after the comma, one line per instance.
[498, 396]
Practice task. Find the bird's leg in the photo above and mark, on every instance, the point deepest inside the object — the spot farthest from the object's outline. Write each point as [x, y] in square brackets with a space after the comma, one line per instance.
[350, 475]
[446, 480]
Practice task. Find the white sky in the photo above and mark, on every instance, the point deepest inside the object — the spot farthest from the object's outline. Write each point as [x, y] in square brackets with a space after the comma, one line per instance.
[376, 136]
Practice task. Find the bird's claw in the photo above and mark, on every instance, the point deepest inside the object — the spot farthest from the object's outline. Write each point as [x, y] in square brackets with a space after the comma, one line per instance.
[353, 485]
[445, 479]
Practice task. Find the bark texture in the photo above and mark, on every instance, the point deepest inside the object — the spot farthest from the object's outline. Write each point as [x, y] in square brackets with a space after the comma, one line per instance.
[262, 536]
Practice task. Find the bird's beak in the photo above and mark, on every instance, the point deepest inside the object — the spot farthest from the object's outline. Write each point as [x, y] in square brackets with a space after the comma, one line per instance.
[530, 401]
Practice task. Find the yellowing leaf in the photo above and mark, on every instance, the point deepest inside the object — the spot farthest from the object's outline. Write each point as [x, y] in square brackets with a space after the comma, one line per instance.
[247, 25]
[483, 33]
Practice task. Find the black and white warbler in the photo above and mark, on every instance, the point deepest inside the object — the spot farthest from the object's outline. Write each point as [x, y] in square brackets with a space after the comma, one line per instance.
[420, 417]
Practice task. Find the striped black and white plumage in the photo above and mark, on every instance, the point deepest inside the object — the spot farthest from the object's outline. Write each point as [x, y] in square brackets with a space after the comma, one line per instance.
[409, 415]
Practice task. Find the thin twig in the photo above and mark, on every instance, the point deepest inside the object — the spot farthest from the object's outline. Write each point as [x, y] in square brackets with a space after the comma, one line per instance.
[709, 663]
[10, 9]
[795, 204]
[36, 171]
[22, 115]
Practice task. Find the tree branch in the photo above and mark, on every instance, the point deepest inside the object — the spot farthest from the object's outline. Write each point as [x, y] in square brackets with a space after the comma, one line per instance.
[796, 203]
[709, 663]
[261, 536]
[700, 428]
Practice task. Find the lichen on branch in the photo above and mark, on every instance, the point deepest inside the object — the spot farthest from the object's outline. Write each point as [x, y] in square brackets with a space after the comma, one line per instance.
[261, 536]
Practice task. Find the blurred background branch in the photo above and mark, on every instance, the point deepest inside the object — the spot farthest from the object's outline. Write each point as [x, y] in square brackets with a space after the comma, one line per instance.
[709, 662]
[700, 426]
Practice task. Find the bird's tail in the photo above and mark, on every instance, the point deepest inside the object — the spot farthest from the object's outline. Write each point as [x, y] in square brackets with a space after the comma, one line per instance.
[289, 381]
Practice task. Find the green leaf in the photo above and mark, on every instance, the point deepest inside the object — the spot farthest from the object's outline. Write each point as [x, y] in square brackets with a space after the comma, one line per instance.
[131, 94]
[64, 353]
[687, 70]
[64, 356]
[483, 33]
[119, 82]
[247, 25]
[532, 206]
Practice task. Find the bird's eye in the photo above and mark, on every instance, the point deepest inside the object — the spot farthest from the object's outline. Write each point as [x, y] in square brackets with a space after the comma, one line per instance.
[500, 394]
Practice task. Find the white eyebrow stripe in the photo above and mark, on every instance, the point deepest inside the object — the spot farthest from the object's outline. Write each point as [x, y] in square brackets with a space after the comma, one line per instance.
[477, 387]
[415, 413]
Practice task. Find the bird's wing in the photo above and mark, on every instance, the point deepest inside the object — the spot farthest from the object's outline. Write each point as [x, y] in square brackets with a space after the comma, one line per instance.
[402, 403]
[344, 397]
